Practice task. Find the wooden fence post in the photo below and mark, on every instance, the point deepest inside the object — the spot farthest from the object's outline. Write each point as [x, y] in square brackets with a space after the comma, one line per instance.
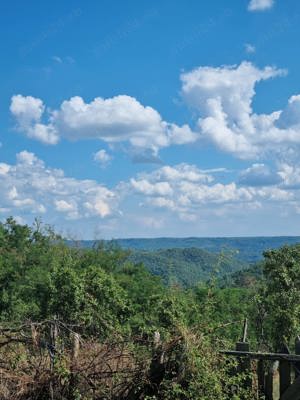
[297, 351]
[269, 380]
[73, 383]
[261, 377]
[76, 346]
[244, 363]
[285, 372]
[52, 350]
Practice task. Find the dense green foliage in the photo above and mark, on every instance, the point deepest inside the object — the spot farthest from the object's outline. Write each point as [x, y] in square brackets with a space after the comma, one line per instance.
[186, 261]
[186, 267]
[280, 295]
[246, 278]
[101, 287]
[110, 295]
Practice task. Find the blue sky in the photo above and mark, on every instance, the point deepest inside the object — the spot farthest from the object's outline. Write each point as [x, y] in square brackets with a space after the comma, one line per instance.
[143, 119]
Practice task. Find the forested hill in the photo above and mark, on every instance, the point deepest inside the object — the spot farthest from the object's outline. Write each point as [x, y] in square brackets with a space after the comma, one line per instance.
[186, 267]
[247, 249]
[187, 261]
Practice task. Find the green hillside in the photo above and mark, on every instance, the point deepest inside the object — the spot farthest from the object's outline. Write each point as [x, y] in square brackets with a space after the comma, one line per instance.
[246, 278]
[186, 267]
[248, 249]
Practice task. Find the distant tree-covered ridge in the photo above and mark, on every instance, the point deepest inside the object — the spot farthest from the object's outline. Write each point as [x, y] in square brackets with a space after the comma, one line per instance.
[187, 266]
[233, 261]
[247, 249]
[248, 277]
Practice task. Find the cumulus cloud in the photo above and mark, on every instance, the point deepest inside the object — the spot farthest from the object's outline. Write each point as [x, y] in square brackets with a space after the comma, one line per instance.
[144, 156]
[28, 112]
[29, 186]
[290, 116]
[223, 98]
[290, 175]
[102, 157]
[187, 191]
[260, 5]
[184, 172]
[167, 196]
[145, 187]
[259, 175]
[117, 119]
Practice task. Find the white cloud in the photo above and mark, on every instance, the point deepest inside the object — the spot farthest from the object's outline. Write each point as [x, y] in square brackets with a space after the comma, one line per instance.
[64, 206]
[169, 200]
[144, 156]
[102, 157]
[63, 60]
[57, 59]
[27, 109]
[260, 5]
[26, 157]
[31, 187]
[184, 172]
[145, 187]
[250, 48]
[117, 119]
[259, 175]
[189, 192]
[28, 112]
[290, 116]
[290, 174]
[223, 98]
[4, 168]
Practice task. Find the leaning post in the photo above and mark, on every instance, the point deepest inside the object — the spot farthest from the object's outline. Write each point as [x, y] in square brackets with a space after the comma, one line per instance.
[285, 372]
[297, 351]
[244, 363]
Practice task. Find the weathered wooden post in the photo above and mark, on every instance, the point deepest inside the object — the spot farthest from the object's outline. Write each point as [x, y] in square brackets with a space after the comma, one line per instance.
[297, 351]
[243, 345]
[53, 340]
[74, 356]
[285, 372]
[260, 377]
[76, 346]
[34, 335]
[244, 363]
[269, 380]
[52, 350]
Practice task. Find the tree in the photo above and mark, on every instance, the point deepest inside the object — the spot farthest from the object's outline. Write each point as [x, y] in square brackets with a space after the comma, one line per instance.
[281, 294]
